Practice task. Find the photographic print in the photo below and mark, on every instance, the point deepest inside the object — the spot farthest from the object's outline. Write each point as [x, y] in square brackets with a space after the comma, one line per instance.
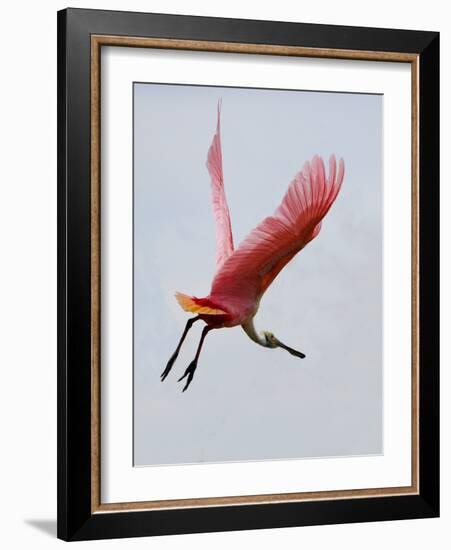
[257, 274]
[244, 220]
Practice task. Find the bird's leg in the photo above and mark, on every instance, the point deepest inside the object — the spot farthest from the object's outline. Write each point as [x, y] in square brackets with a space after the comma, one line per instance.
[174, 356]
[192, 366]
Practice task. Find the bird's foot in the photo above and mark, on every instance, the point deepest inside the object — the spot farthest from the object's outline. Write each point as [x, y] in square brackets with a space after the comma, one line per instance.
[169, 366]
[189, 373]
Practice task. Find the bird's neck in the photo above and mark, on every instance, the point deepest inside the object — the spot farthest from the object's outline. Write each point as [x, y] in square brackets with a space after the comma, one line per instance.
[257, 337]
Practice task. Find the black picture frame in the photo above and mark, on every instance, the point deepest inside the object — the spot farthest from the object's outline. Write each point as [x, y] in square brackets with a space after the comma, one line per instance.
[76, 519]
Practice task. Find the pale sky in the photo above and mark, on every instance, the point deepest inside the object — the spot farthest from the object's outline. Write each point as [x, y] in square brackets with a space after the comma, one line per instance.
[247, 402]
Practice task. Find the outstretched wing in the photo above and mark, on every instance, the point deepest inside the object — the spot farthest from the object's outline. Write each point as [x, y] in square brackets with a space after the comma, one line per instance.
[252, 267]
[224, 239]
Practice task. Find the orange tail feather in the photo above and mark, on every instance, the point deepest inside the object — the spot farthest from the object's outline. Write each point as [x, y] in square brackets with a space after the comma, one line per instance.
[197, 305]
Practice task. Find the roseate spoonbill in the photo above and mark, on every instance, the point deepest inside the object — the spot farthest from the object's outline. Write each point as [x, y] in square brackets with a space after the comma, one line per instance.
[244, 274]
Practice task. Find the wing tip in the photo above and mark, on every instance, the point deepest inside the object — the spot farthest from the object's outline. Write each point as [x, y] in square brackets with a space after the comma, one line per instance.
[218, 121]
[318, 160]
[341, 172]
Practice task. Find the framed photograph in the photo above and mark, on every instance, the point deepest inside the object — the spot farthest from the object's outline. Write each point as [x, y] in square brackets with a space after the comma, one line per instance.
[248, 274]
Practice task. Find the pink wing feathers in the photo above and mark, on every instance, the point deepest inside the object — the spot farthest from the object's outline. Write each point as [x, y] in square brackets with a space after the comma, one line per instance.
[248, 272]
[224, 239]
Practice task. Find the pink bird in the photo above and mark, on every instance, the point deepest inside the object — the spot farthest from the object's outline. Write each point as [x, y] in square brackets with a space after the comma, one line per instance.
[244, 274]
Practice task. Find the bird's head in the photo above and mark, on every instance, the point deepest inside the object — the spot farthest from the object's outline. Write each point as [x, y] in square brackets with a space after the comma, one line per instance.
[270, 340]
[273, 342]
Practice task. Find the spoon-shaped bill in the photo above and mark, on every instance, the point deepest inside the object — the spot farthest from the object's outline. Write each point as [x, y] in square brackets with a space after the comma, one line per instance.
[290, 350]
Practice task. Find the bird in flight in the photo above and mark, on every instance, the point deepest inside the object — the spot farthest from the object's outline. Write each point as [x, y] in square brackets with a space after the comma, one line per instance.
[245, 273]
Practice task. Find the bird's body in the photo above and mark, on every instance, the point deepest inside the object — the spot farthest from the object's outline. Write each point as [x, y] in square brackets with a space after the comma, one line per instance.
[245, 273]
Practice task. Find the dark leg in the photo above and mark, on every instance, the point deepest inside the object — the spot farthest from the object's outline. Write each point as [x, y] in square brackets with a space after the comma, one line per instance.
[171, 361]
[192, 366]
